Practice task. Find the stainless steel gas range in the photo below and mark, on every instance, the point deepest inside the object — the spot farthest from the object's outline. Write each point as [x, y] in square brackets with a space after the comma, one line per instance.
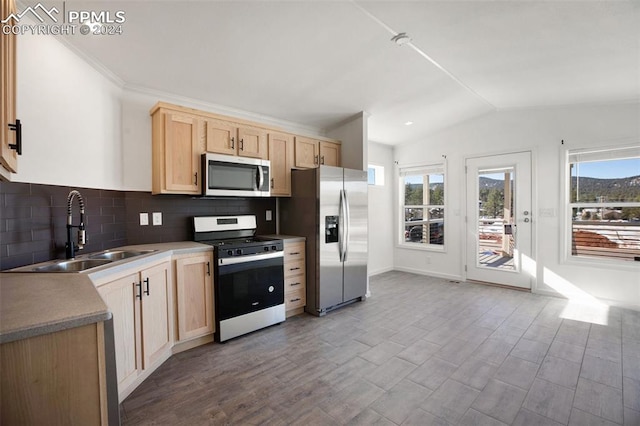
[248, 274]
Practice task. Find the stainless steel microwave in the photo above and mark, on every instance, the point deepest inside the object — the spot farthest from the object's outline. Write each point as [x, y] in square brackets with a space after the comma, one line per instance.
[226, 175]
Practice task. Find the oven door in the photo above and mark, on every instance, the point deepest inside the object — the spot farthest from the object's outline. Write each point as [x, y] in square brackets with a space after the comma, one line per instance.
[248, 284]
[235, 176]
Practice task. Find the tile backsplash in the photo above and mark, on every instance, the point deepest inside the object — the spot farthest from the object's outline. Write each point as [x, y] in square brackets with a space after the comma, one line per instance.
[33, 219]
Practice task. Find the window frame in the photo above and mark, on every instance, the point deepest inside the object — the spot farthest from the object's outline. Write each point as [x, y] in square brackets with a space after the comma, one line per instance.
[567, 257]
[420, 170]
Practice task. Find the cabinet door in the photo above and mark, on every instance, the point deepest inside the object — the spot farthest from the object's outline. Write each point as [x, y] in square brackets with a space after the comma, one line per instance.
[8, 156]
[122, 298]
[181, 154]
[252, 142]
[330, 153]
[195, 296]
[221, 137]
[306, 153]
[280, 156]
[156, 314]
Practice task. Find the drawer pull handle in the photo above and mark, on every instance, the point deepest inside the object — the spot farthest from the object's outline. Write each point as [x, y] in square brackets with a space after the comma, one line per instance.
[294, 253]
[294, 284]
[139, 285]
[297, 299]
[146, 281]
[294, 269]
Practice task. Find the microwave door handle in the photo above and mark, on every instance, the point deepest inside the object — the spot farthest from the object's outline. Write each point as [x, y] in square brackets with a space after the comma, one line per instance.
[260, 178]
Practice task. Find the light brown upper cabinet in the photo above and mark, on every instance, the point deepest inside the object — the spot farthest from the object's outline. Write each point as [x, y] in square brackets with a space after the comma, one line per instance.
[221, 137]
[306, 153]
[177, 148]
[225, 137]
[9, 127]
[281, 158]
[310, 153]
[330, 154]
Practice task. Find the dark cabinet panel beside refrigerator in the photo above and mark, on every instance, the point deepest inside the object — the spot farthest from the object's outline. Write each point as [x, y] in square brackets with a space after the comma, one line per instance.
[328, 206]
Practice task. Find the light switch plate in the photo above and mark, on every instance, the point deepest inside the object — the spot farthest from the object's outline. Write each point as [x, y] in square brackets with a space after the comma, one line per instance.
[157, 218]
[144, 219]
[269, 216]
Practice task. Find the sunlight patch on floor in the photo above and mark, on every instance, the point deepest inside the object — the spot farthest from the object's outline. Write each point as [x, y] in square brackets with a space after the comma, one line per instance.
[581, 306]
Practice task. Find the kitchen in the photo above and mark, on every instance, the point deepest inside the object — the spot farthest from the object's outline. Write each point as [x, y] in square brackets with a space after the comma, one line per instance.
[116, 176]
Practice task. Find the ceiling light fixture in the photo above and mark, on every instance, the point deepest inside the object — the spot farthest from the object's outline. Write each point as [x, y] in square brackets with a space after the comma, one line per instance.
[400, 39]
[408, 123]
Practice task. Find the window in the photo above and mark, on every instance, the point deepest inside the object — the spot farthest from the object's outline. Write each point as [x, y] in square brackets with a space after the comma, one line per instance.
[376, 175]
[422, 194]
[604, 203]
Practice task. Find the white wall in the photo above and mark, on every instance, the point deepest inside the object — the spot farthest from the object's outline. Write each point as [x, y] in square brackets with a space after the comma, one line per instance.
[70, 115]
[538, 130]
[381, 206]
[353, 133]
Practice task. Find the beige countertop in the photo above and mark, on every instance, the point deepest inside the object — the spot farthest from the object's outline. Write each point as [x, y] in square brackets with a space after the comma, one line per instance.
[32, 303]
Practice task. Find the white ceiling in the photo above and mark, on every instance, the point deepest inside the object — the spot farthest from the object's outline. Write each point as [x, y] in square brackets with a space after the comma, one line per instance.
[317, 63]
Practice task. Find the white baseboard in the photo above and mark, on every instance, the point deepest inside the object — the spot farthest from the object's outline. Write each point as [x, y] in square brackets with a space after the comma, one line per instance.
[430, 273]
[380, 271]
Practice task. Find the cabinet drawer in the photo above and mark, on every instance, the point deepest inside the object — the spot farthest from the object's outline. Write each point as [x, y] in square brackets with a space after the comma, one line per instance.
[295, 299]
[294, 251]
[294, 283]
[294, 268]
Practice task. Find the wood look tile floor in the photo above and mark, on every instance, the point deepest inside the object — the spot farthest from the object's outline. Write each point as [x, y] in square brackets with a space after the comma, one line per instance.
[420, 351]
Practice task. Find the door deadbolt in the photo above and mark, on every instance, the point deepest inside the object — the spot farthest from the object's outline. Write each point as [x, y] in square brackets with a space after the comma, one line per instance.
[526, 212]
[526, 219]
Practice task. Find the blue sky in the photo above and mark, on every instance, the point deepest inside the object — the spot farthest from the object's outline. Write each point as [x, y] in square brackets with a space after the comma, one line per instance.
[609, 169]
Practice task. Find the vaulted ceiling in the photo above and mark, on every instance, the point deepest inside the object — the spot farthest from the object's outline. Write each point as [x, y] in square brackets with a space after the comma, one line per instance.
[319, 62]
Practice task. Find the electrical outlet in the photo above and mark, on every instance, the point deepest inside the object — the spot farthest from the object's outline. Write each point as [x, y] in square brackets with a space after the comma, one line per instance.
[144, 219]
[269, 216]
[157, 218]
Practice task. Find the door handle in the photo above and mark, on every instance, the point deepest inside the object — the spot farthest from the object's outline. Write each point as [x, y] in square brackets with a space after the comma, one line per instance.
[348, 227]
[260, 178]
[17, 127]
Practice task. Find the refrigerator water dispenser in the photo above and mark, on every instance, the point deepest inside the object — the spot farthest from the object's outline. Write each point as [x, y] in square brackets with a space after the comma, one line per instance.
[331, 227]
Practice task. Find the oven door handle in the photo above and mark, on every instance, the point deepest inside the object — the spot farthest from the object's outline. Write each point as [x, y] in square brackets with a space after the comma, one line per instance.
[250, 258]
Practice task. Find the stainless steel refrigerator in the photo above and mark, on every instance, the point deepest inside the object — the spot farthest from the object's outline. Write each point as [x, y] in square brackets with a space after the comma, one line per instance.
[328, 206]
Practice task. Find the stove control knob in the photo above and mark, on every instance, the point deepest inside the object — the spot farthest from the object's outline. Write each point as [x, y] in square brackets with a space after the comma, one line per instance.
[266, 248]
[239, 252]
[230, 252]
[274, 248]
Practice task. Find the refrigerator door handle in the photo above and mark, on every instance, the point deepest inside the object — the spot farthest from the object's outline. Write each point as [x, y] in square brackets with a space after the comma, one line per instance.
[341, 225]
[347, 215]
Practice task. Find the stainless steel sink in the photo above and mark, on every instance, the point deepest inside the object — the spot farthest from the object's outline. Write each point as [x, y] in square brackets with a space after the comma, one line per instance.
[74, 265]
[119, 254]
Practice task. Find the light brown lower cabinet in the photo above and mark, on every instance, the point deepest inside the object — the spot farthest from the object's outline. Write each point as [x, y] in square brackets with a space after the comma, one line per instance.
[142, 308]
[295, 293]
[55, 379]
[194, 296]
